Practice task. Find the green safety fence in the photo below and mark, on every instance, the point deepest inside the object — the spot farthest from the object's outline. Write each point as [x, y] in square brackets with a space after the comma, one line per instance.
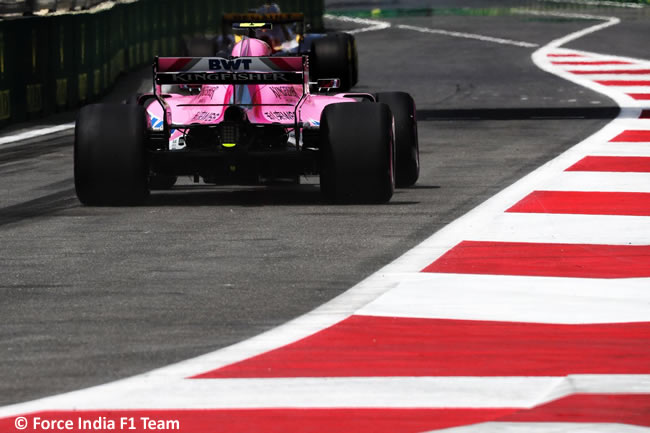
[60, 62]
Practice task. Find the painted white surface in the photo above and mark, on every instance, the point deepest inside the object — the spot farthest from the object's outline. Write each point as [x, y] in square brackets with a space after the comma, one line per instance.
[10, 139]
[357, 392]
[566, 229]
[599, 181]
[463, 35]
[371, 25]
[516, 299]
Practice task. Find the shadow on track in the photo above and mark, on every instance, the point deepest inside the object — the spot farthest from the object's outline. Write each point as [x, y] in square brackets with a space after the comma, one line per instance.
[294, 195]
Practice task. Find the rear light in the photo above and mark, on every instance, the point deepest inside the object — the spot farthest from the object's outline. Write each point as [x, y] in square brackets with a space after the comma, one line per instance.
[229, 134]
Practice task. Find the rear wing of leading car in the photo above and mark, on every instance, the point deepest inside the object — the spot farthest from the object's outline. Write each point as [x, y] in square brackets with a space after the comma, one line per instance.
[276, 18]
[255, 21]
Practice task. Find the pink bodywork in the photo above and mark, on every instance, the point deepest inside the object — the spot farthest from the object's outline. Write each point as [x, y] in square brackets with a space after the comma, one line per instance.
[263, 104]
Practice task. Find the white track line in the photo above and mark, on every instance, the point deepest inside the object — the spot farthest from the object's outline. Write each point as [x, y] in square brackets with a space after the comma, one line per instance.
[371, 25]
[35, 133]
[608, 22]
[463, 35]
[598, 3]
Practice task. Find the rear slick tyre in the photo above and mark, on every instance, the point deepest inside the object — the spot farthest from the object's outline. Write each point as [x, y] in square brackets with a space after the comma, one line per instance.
[357, 153]
[110, 166]
[407, 151]
[334, 56]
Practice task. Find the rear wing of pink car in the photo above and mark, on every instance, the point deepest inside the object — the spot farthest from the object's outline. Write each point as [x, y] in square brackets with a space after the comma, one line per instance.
[227, 71]
[218, 70]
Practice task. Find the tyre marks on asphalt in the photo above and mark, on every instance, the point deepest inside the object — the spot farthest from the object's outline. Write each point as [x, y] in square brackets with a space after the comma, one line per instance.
[35, 149]
[46, 205]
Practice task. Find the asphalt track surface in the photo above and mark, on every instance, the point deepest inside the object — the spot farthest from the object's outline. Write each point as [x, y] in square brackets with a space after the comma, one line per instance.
[90, 295]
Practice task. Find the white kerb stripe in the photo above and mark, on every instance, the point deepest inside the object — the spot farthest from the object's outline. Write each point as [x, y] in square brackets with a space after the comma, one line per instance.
[341, 392]
[565, 229]
[516, 299]
[598, 181]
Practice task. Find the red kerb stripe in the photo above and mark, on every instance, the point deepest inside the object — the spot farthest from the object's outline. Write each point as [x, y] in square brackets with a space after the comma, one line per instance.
[592, 62]
[550, 260]
[585, 203]
[640, 96]
[631, 164]
[635, 136]
[590, 408]
[368, 346]
[623, 82]
[613, 71]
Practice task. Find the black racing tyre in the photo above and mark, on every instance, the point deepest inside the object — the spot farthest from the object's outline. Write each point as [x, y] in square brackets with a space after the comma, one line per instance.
[357, 151]
[156, 181]
[133, 100]
[407, 151]
[110, 167]
[334, 56]
[354, 59]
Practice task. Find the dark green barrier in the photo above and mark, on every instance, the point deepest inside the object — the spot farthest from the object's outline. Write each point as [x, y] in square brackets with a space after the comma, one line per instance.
[173, 33]
[131, 38]
[187, 25]
[146, 19]
[95, 50]
[135, 34]
[199, 11]
[116, 43]
[61, 62]
[211, 18]
[31, 41]
[75, 62]
[7, 86]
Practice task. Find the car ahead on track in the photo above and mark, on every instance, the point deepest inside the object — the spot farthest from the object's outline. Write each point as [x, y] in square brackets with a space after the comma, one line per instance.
[253, 121]
[330, 54]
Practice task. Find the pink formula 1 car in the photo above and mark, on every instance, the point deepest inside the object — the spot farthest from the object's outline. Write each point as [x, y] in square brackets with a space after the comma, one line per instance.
[248, 119]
